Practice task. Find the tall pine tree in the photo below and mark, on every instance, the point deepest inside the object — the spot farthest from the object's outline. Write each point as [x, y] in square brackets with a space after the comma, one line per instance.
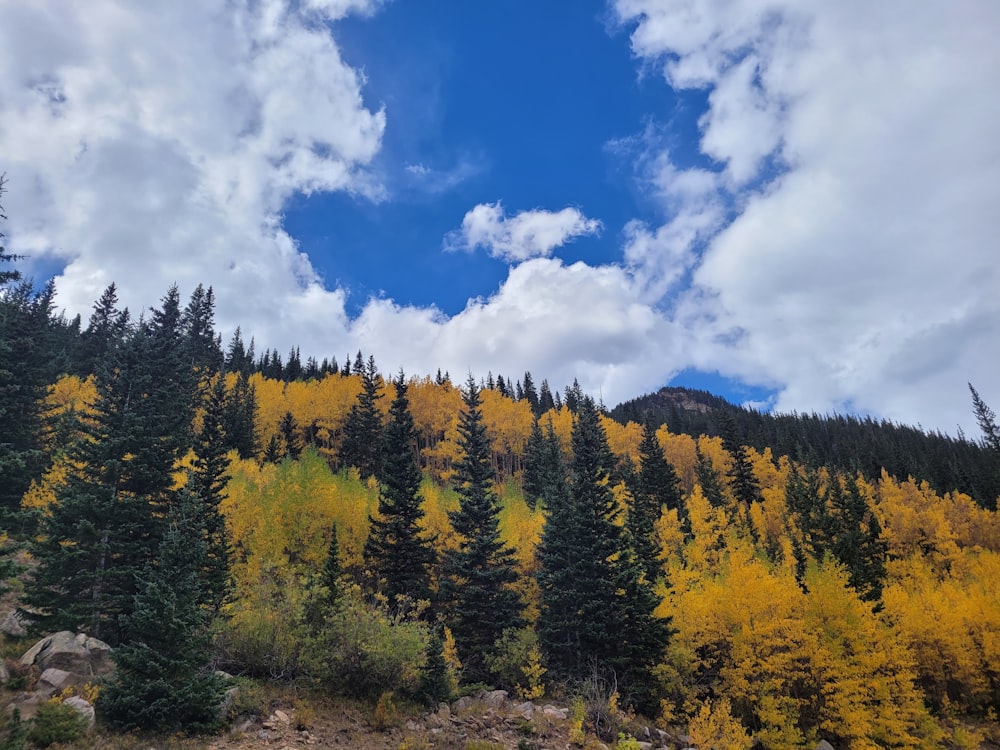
[395, 551]
[476, 588]
[596, 608]
[362, 444]
[657, 489]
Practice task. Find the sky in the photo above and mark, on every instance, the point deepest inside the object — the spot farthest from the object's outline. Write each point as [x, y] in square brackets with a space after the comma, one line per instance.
[792, 203]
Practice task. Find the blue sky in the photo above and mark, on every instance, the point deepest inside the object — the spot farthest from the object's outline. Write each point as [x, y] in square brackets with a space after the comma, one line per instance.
[790, 202]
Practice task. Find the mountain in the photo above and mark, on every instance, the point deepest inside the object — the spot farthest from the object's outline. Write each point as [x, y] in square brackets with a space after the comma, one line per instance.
[853, 444]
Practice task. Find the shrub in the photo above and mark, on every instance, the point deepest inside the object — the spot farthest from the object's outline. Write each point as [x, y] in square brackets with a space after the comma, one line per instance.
[517, 663]
[56, 722]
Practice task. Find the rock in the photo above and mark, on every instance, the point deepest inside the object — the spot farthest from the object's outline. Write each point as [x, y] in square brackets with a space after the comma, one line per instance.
[443, 712]
[227, 702]
[12, 625]
[282, 716]
[554, 712]
[83, 708]
[26, 704]
[525, 710]
[462, 704]
[73, 652]
[645, 745]
[54, 680]
[4, 673]
[495, 699]
[824, 745]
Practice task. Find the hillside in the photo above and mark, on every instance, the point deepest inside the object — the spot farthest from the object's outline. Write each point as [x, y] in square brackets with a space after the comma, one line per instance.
[847, 443]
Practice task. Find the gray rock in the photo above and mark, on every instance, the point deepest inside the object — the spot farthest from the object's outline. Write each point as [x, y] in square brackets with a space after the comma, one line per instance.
[824, 745]
[495, 699]
[554, 712]
[525, 710]
[4, 673]
[462, 704]
[83, 708]
[12, 625]
[55, 680]
[73, 652]
[26, 704]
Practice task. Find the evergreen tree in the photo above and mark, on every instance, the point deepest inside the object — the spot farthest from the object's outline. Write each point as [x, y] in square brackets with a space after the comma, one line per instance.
[708, 479]
[742, 480]
[545, 400]
[7, 275]
[435, 682]
[574, 395]
[395, 551]
[108, 326]
[27, 367]
[239, 418]
[207, 480]
[857, 542]
[531, 394]
[595, 606]
[198, 326]
[333, 571]
[363, 427]
[987, 421]
[162, 681]
[238, 358]
[289, 429]
[544, 473]
[477, 576]
[657, 488]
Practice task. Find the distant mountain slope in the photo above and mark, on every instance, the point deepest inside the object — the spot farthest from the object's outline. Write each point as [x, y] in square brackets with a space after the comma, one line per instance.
[847, 443]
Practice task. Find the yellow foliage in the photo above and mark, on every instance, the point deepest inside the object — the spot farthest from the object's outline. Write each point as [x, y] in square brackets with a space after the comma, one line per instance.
[715, 727]
[623, 440]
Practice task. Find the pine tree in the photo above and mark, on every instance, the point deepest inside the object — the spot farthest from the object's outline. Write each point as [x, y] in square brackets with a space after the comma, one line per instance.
[477, 576]
[742, 480]
[333, 571]
[595, 606]
[162, 681]
[545, 400]
[107, 523]
[207, 480]
[987, 421]
[531, 394]
[435, 681]
[363, 427]
[108, 326]
[857, 542]
[544, 473]
[289, 429]
[657, 489]
[708, 479]
[198, 326]
[7, 276]
[239, 419]
[395, 551]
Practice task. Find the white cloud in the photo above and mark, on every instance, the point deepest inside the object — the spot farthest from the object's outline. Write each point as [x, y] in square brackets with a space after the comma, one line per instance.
[150, 143]
[865, 274]
[528, 234]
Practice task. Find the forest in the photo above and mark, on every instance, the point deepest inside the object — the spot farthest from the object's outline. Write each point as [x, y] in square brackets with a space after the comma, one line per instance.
[199, 506]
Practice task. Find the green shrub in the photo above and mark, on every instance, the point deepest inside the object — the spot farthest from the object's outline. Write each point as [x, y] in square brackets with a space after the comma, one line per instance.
[56, 722]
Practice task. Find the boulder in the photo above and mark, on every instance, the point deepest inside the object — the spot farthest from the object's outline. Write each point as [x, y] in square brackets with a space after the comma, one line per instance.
[72, 652]
[554, 712]
[12, 625]
[824, 745]
[54, 680]
[462, 704]
[525, 710]
[495, 699]
[83, 708]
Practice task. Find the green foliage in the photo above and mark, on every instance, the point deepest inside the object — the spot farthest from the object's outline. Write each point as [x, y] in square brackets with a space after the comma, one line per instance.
[162, 680]
[516, 662]
[657, 489]
[596, 607]
[56, 722]
[362, 446]
[436, 681]
[13, 731]
[477, 576]
[364, 651]
[396, 552]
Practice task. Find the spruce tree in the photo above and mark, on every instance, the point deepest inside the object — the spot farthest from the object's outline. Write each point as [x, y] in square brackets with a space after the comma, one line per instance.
[239, 420]
[596, 608]
[107, 523]
[290, 433]
[544, 473]
[657, 489]
[742, 480]
[708, 479]
[108, 325]
[207, 480]
[363, 427]
[395, 551]
[477, 576]
[162, 681]
[202, 348]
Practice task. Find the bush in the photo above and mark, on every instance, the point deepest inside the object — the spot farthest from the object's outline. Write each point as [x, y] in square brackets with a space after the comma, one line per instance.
[517, 663]
[364, 652]
[56, 722]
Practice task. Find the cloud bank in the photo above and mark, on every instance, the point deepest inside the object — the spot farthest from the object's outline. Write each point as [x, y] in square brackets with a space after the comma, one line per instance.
[837, 245]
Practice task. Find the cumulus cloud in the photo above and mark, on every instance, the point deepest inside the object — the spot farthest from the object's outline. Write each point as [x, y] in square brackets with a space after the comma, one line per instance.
[858, 147]
[528, 234]
[156, 143]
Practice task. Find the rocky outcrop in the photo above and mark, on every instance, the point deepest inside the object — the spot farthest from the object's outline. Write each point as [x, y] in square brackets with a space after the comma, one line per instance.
[76, 653]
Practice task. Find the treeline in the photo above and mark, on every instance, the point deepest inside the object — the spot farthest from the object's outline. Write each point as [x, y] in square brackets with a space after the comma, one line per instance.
[846, 443]
[388, 537]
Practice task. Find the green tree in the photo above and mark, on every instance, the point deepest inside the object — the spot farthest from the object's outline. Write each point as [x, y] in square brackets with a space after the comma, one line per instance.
[708, 479]
[657, 488]
[239, 420]
[203, 349]
[596, 607]
[477, 576]
[742, 480]
[163, 681]
[207, 480]
[544, 473]
[395, 551]
[108, 326]
[363, 427]
[291, 434]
